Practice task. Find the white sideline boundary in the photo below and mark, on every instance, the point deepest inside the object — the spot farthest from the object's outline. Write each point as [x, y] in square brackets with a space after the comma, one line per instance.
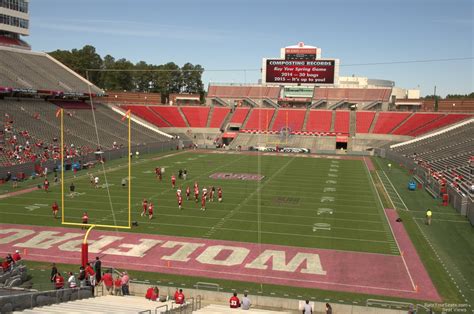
[391, 229]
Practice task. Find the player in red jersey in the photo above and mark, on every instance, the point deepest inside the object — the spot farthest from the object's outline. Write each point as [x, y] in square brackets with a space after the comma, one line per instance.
[178, 192]
[157, 172]
[173, 181]
[211, 194]
[188, 192]
[196, 185]
[85, 220]
[150, 210]
[196, 194]
[219, 194]
[234, 301]
[55, 209]
[204, 192]
[203, 202]
[46, 185]
[180, 201]
[145, 206]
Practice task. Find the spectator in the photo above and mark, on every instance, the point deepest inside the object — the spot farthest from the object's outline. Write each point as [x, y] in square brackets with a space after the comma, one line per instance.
[328, 308]
[234, 301]
[58, 281]
[98, 269]
[54, 271]
[90, 275]
[118, 285]
[176, 294]
[180, 297]
[246, 302]
[307, 309]
[71, 280]
[82, 277]
[152, 294]
[125, 280]
[16, 256]
[108, 282]
[5, 266]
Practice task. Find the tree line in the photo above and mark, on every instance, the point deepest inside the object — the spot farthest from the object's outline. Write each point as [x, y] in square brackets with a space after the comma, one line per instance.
[450, 96]
[140, 77]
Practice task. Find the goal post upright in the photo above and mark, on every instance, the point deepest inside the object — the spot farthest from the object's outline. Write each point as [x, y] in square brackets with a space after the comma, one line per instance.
[62, 164]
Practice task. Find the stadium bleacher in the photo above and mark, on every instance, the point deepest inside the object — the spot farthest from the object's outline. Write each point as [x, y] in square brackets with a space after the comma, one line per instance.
[416, 121]
[240, 114]
[170, 114]
[364, 120]
[439, 123]
[319, 121]
[387, 121]
[38, 71]
[291, 118]
[218, 116]
[355, 95]
[196, 116]
[341, 124]
[259, 119]
[236, 91]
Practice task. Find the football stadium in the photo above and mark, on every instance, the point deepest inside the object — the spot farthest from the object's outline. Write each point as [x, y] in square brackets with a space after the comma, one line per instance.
[135, 188]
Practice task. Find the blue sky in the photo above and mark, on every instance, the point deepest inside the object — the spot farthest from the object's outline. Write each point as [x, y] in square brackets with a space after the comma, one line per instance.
[237, 34]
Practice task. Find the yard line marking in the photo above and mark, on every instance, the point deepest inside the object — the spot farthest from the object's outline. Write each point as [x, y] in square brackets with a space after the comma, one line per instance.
[259, 188]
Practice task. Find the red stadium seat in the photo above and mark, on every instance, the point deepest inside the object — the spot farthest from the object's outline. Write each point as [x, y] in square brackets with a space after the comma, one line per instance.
[218, 116]
[259, 119]
[364, 121]
[196, 116]
[319, 121]
[444, 121]
[341, 125]
[170, 114]
[239, 115]
[387, 121]
[416, 121]
[292, 118]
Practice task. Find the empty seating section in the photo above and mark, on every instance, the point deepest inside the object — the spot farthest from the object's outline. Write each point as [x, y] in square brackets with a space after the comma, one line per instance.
[447, 153]
[243, 91]
[364, 121]
[387, 121]
[439, 123]
[352, 94]
[341, 125]
[148, 115]
[291, 118]
[170, 114]
[416, 121]
[218, 116]
[319, 121]
[25, 69]
[196, 116]
[239, 115]
[259, 119]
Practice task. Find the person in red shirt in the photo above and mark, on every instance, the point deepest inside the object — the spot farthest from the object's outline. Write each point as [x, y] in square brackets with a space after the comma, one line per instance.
[5, 266]
[234, 301]
[55, 209]
[90, 274]
[152, 294]
[75, 171]
[219, 194]
[58, 281]
[108, 281]
[203, 202]
[46, 186]
[176, 294]
[173, 181]
[85, 219]
[196, 194]
[188, 192]
[118, 285]
[180, 201]
[179, 298]
[150, 210]
[16, 256]
[145, 206]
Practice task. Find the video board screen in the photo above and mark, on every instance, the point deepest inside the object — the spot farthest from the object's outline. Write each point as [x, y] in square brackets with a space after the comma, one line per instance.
[300, 72]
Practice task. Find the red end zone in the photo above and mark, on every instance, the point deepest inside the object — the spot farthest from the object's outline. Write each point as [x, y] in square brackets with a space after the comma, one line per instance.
[272, 264]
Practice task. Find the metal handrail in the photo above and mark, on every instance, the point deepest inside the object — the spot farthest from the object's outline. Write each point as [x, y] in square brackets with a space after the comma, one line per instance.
[390, 304]
[208, 284]
[159, 307]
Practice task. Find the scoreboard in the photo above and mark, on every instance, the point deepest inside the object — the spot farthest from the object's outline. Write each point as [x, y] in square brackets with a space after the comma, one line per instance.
[300, 53]
[300, 71]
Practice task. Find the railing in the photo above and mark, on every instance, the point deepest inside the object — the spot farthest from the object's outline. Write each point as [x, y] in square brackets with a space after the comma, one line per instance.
[30, 300]
[161, 306]
[207, 286]
[390, 304]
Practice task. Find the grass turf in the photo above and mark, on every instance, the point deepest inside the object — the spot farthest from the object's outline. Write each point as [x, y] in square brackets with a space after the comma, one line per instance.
[280, 209]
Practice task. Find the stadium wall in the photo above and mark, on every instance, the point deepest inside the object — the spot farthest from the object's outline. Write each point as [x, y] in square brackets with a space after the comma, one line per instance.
[29, 168]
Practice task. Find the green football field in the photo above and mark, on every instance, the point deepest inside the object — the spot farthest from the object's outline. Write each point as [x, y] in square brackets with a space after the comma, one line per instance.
[309, 202]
